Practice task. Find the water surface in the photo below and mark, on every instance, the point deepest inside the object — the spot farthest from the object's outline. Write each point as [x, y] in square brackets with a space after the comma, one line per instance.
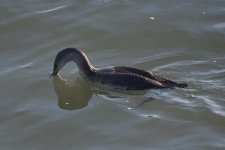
[181, 40]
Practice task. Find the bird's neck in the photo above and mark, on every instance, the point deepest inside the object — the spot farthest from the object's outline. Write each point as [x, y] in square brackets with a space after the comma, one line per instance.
[86, 69]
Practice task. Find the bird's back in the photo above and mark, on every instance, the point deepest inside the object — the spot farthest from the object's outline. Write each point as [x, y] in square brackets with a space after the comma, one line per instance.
[125, 80]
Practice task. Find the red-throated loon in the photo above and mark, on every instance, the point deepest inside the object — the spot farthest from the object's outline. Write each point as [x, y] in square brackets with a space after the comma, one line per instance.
[116, 77]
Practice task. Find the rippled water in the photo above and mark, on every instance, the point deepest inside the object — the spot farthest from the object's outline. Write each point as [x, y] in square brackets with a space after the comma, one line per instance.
[181, 40]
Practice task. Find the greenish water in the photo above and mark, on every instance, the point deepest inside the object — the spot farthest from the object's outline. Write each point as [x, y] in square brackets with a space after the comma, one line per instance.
[181, 40]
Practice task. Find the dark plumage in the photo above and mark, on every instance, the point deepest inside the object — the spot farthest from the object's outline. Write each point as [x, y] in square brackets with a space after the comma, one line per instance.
[116, 77]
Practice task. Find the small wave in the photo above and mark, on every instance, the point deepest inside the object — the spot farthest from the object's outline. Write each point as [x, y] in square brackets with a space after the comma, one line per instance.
[11, 69]
[52, 9]
[219, 25]
[213, 105]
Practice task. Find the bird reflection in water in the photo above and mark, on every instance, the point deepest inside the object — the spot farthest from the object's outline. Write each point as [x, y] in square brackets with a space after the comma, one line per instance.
[71, 96]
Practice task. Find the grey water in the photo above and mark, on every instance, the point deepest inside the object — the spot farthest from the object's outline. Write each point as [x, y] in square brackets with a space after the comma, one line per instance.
[179, 39]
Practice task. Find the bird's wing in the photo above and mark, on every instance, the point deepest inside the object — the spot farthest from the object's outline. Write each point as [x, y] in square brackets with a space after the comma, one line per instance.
[149, 75]
[127, 80]
[136, 71]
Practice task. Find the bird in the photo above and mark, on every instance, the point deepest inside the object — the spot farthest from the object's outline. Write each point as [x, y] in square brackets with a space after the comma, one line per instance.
[117, 77]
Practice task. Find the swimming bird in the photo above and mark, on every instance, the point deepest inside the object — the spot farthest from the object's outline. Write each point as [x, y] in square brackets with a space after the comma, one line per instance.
[118, 77]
